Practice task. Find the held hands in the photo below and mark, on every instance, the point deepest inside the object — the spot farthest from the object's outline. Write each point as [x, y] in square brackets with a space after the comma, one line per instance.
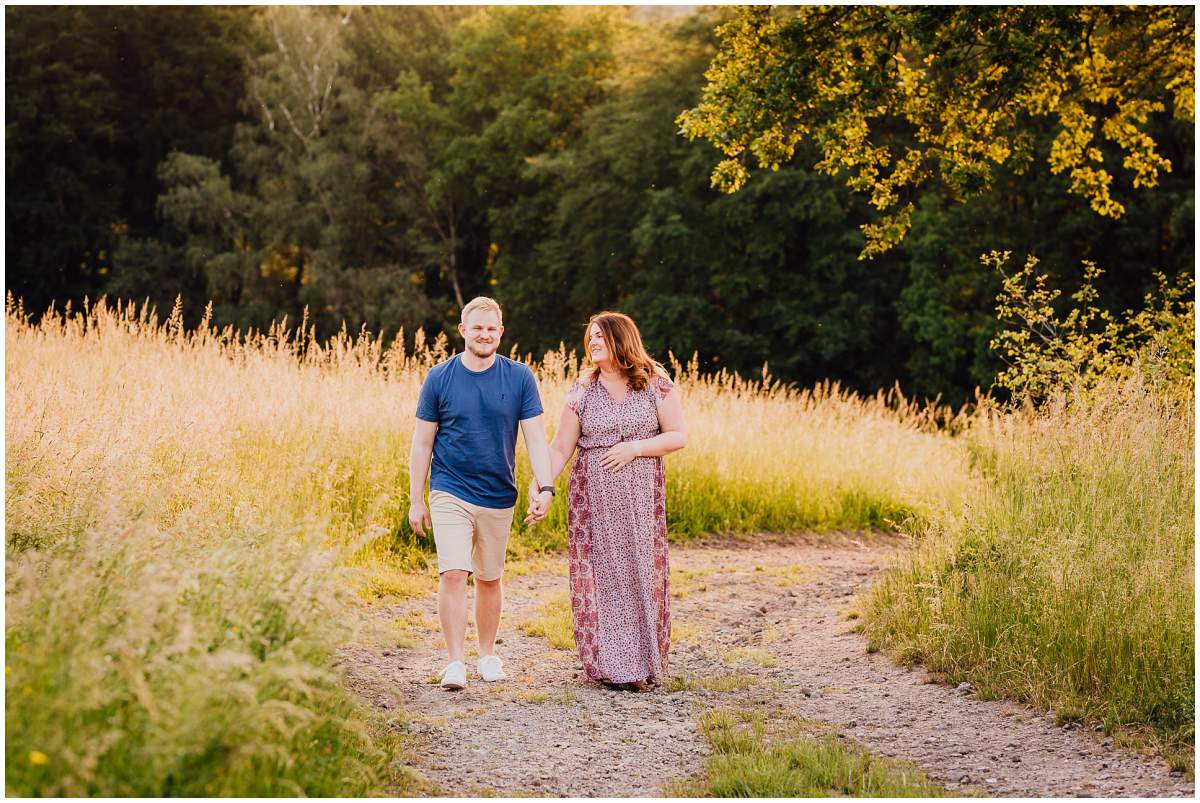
[621, 455]
[418, 517]
[539, 504]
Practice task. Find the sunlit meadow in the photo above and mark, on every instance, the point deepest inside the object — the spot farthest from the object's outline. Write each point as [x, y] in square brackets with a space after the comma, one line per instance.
[176, 572]
[197, 520]
[194, 520]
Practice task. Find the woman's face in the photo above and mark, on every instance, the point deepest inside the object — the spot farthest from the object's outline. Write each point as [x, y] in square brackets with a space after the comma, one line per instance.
[597, 348]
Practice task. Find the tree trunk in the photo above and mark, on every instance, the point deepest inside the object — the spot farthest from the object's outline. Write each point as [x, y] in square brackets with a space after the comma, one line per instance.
[453, 264]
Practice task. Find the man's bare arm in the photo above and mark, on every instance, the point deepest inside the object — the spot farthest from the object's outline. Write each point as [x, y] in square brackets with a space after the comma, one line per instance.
[539, 450]
[418, 470]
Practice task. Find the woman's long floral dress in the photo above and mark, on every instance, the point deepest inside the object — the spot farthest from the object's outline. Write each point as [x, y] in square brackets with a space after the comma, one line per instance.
[617, 534]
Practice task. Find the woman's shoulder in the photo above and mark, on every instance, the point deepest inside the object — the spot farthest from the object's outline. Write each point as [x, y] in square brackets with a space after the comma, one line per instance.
[579, 389]
[660, 382]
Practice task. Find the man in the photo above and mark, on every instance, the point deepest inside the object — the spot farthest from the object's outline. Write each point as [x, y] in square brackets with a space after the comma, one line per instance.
[467, 418]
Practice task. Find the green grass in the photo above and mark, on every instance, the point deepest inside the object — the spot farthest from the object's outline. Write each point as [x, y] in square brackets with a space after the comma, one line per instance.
[752, 655]
[756, 758]
[822, 459]
[182, 516]
[1069, 581]
[141, 666]
[553, 623]
[730, 681]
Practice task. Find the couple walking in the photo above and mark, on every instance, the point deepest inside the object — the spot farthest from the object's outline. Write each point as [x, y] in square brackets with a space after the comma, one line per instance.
[622, 415]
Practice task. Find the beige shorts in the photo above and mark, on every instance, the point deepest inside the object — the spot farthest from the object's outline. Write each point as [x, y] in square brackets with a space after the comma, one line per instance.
[468, 536]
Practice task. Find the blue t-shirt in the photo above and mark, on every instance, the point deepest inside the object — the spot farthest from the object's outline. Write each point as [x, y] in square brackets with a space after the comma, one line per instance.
[477, 413]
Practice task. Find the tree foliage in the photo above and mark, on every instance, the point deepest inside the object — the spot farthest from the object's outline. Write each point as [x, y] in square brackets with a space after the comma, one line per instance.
[378, 166]
[1047, 351]
[896, 96]
[95, 99]
[636, 226]
[307, 214]
[946, 305]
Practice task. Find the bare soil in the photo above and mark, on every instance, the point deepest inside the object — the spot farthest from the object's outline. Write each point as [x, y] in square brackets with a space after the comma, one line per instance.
[772, 620]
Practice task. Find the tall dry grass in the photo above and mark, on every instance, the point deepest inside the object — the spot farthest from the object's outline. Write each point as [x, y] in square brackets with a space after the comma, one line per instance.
[175, 504]
[189, 513]
[769, 457]
[1068, 581]
[765, 456]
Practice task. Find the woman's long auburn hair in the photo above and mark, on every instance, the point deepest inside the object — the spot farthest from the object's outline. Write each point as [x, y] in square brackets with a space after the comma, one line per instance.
[624, 343]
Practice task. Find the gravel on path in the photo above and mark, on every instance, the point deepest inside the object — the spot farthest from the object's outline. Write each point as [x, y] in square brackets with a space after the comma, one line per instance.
[771, 615]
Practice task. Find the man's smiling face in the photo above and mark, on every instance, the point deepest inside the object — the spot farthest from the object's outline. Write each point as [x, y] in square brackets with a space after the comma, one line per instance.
[482, 333]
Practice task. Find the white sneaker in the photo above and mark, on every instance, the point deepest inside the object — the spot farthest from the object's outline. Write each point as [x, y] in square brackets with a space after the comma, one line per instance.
[491, 669]
[454, 676]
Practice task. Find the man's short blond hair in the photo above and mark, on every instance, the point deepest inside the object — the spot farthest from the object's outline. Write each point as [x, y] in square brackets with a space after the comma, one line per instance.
[481, 303]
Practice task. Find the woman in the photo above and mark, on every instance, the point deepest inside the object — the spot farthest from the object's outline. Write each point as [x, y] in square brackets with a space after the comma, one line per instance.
[624, 414]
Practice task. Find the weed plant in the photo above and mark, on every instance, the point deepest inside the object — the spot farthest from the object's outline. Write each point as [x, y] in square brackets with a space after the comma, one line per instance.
[756, 758]
[1068, 581]
[553, 623]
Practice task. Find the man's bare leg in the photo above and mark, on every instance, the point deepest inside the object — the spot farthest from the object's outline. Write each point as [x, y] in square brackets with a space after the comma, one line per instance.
[452, 611]
[489, 604]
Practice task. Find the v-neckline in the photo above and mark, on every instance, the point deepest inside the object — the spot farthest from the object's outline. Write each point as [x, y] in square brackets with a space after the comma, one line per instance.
[610, 396]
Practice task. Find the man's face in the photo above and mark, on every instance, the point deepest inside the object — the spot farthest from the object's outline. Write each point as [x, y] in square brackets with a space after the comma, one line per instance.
[482, 332]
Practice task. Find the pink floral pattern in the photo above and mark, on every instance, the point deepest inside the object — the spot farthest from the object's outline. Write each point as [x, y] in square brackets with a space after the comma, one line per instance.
[617, 539]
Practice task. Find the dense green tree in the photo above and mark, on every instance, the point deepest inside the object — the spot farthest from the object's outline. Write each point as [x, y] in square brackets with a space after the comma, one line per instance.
[890, 94]
[95, 98]
[523, 80]
[305, 216]
[389, 46]
[948, 303]
[769, 275]
[437, 201]
[191, 256]
[385, 164]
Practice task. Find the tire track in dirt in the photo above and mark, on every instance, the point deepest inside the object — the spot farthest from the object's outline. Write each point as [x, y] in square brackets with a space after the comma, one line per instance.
[767, 615]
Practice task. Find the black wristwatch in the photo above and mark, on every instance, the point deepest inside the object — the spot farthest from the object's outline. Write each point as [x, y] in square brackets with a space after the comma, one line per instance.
[549, 488]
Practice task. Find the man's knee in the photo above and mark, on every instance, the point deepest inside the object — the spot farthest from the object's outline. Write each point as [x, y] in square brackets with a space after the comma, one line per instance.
[487, 585]
[454, 579]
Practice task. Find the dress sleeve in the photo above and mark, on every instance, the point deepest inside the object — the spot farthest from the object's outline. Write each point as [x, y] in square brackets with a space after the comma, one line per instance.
[574, 398]
[662, 386]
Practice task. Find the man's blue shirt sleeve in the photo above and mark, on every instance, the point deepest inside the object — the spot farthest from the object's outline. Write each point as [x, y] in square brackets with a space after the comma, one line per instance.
[427, 401]
[531, 402]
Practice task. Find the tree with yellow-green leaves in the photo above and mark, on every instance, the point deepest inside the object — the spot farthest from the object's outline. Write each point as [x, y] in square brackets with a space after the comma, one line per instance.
[895, 97]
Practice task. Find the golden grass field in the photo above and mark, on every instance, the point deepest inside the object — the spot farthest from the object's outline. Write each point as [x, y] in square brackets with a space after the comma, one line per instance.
[195, 521]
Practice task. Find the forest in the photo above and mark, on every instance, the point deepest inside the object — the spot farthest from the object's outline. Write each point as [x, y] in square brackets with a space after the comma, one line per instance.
[375, 167]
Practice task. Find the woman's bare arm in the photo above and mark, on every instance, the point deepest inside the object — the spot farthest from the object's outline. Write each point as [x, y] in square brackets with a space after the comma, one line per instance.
[566, 437]
[674, 428]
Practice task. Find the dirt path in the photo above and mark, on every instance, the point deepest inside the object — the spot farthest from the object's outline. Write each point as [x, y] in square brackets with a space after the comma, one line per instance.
[768, 619]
